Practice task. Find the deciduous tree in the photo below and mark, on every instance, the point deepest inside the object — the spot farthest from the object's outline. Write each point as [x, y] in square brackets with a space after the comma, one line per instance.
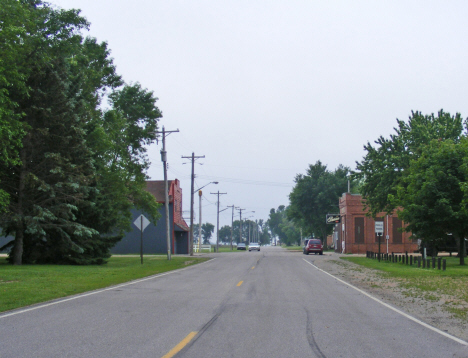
[225, 234]
[431, 192]
[274, 221]
[382, 168]
[314, 196]
[207, 232]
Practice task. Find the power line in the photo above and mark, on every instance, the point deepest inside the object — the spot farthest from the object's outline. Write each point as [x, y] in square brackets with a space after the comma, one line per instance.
[247, 181]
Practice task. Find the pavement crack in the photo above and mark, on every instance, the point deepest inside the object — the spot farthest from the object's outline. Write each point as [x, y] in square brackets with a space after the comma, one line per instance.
[260, 258]
[199, 334]
[310, 337]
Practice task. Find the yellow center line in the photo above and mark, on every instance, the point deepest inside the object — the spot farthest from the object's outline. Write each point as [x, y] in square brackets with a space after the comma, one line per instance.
[253, 267]
[180, 346]
[240, 283]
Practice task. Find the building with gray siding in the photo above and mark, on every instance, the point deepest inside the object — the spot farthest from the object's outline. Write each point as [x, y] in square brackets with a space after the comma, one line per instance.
[154, 235]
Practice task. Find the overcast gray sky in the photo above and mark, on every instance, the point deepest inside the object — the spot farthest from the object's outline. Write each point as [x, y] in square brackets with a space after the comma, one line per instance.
[265, 88]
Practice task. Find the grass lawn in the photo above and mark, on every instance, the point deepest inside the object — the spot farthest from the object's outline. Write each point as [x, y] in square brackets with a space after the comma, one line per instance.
[292, 247]
[425, 282]
[228, 249]
[222, 248]
[225, 248]
[300, 248]
[28, 284]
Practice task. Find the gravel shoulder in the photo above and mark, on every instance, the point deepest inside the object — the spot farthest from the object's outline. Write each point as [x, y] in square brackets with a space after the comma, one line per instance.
[431, 309]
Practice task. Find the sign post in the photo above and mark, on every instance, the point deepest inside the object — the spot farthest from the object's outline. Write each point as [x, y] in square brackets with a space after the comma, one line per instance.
[332, 219]
[379, 231]
[141, 223]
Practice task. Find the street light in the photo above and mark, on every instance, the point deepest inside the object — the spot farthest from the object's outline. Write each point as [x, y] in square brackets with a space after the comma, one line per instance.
[211, 182]
[250, 224]
[240, 223]
[217, 227]
[200, 212]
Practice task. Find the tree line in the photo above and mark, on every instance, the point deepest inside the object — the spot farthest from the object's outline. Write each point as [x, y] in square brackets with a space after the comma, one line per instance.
[251, 231]
[73, 133]
[420, 172]
[314, 195]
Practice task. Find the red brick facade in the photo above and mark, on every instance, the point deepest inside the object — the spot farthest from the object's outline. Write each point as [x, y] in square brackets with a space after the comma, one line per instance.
[357, 231]
[179, 227]
[175, 196]
[156, 187]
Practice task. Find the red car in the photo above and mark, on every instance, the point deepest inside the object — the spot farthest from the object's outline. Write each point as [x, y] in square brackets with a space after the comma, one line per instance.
[313, 245]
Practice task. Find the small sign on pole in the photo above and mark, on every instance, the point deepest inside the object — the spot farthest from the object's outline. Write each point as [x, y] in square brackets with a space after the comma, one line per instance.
[141, 223]
[379, 227]
[379, 232]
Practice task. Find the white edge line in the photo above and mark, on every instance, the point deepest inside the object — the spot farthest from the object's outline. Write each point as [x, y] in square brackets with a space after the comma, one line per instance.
[445, 334]
[19, 311]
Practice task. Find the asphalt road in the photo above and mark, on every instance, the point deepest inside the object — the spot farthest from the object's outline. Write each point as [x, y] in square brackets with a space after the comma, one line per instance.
[271, 303]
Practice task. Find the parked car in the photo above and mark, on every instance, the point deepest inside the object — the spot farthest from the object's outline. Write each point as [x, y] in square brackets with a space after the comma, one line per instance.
[254, 246]
[241, 246]
[313, 245]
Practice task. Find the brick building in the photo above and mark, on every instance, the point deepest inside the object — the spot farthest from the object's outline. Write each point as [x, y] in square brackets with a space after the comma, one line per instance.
[154, 235]
[356, 232]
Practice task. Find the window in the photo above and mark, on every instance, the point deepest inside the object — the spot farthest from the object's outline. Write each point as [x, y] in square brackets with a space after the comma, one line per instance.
[397, 234]
[359, 230]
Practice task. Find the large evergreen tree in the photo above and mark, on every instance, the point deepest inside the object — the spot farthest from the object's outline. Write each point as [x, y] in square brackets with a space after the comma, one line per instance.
[55, 163]
[79, 169]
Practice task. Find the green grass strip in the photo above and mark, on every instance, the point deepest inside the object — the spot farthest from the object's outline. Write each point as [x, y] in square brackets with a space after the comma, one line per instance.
[29, 284]
[292, 248]
[399, 269]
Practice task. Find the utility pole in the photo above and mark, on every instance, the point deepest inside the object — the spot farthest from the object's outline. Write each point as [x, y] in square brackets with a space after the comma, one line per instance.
[217, 223]
[240, 224]
[192, 157]
[232, 222]
[200, 193]
[166, 189]
[256, 229]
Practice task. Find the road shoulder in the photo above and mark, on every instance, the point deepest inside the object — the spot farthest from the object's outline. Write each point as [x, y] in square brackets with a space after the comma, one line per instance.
[389, 290]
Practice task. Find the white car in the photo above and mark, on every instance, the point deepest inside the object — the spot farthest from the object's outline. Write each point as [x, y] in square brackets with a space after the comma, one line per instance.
[241, 246]
[254, 246]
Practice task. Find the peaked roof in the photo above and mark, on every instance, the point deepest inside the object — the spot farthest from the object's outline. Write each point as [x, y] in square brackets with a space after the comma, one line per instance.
[156, 188]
